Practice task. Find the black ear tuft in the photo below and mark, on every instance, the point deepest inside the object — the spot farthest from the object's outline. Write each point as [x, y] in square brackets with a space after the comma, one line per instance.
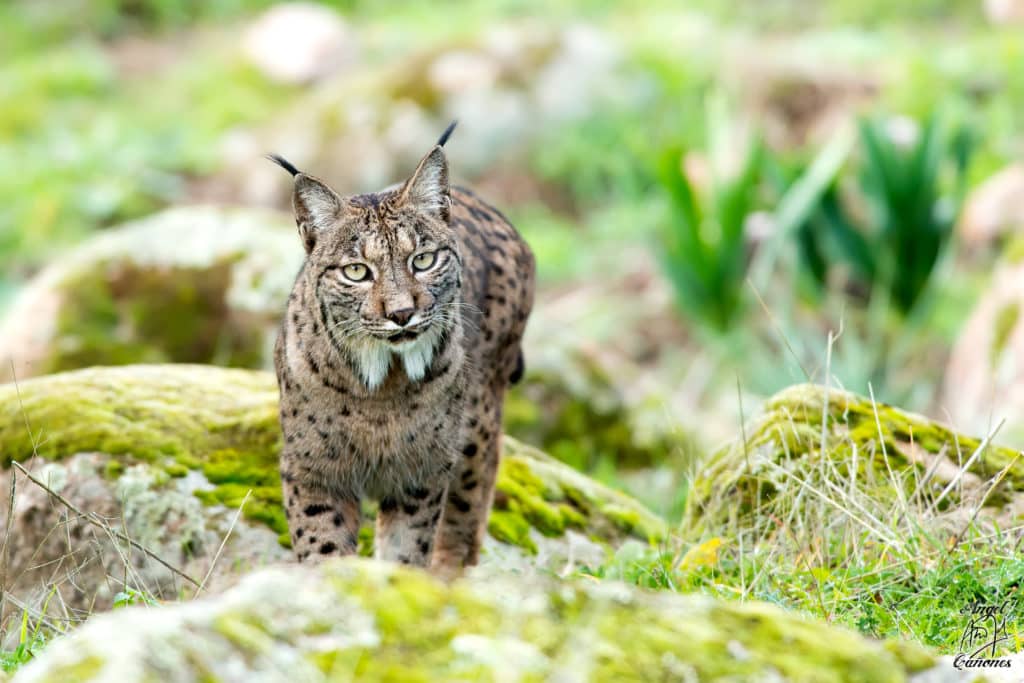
[283, 163]
[447, 133]
[517, 374]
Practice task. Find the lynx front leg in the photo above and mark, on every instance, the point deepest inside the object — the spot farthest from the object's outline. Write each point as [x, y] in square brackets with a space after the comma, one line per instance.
[471, 490]
[321, 524]
[406, 528]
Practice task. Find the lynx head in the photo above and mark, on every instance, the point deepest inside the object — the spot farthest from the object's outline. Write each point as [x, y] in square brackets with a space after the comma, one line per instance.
[384, 268]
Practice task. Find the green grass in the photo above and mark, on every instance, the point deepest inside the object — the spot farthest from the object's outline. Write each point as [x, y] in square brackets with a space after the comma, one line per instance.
[31, 639]
[879, 592]
[88, 150]
[867, 536]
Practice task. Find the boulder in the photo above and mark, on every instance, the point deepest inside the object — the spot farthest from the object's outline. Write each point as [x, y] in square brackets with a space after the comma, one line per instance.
[611, 404]
[299, 42]
[995, 208]
[878, 463]
[167, 456]
[193, 284]
[984, 378]
[571, 405]
[357, 619]
[1004, 12]
[799, 101]
[506, 86]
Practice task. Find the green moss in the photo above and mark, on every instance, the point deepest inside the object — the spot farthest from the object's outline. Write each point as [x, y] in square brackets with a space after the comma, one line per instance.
[244, 631]
[914, 657]
[108, 317]
[626, 519]
[1013, 252]
[188, 461]
[174, 469]
[358, 619]
[365, 543]
[1006, 320]
[224, 423]
[522, 493]
[82, 669]
[229, 466]
[591, 428]
[511, 527]
[894, 451]
[113, 469]
[263, 504]
[535, 490]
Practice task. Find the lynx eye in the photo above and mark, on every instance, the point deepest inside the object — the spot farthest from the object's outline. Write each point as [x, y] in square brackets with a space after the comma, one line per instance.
[356, 272]
[424, 260]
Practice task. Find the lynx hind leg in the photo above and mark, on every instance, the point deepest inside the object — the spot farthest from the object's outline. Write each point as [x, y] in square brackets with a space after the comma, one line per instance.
[471, 490]
[406, 528]
[320, 523]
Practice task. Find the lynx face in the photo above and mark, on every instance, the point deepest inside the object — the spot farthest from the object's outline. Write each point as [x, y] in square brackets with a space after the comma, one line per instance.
[384, 268]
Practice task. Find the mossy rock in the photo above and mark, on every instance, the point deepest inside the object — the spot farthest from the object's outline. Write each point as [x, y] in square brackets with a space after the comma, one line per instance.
[519, 71]
[363, 620]
[893, 458]
[210, 435]
[194, 284]
[983, 379]
[577, 413]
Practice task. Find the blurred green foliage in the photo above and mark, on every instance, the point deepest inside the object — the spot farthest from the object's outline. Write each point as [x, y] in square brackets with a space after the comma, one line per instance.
[791, 14]
[705, 245]
[890, 237]
[87, 144]
[86, 148]
[887, 234]
[46, 22]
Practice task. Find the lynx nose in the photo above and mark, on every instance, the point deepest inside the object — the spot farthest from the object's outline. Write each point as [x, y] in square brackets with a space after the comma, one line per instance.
[401, 316]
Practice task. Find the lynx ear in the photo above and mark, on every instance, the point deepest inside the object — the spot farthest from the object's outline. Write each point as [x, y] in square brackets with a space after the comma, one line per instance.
[317, 208]
[427, 190]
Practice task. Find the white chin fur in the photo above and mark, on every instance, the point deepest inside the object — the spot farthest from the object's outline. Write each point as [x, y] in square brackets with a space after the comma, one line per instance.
[373, 356]
[418, 354]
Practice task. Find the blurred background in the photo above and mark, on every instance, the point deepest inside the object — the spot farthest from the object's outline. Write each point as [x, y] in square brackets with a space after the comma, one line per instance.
[724, 199]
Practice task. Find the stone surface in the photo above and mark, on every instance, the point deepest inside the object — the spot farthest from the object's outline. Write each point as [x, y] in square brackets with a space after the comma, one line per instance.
[798, 100]
[299, 42]
[1004, 12]
[506, 87]
[168, 454]
[875, 455]
[358, 619]
[984, 378]
[191, 284]
[573, 406]
[994, 208]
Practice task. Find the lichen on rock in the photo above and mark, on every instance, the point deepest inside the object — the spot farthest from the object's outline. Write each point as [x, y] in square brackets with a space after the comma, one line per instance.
[190, 284]
[536, 493]
[173, 451]
[810, 438]
[578, 414]
[362, 620]
[984, 380]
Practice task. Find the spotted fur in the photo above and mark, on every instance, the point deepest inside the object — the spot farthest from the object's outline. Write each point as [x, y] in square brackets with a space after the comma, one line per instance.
[392, 387]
